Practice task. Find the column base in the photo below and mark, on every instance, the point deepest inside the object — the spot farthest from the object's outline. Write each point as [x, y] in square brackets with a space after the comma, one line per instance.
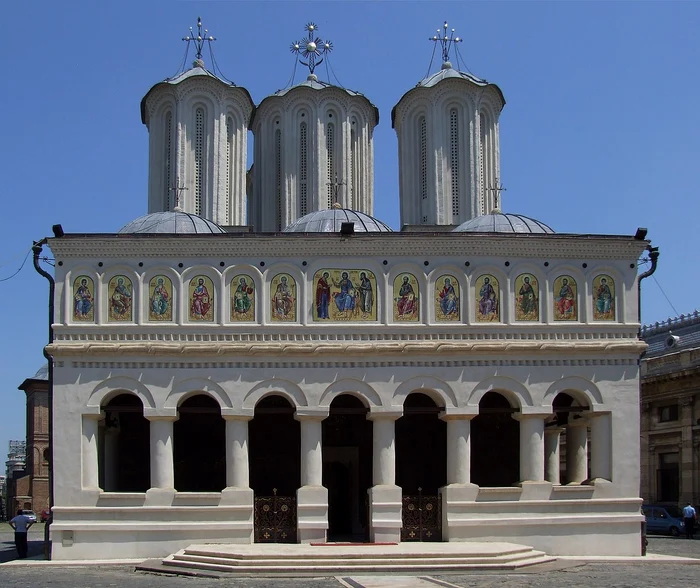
[312, 514]
[602, 488]
[160, 497]
[385, 514]
[535, 490]
[236, 496]
[451, 496]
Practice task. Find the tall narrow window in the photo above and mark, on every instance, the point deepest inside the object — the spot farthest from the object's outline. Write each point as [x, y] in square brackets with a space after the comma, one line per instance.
[278, 179]
[423, 159]
[167, 167]
[229, 174]
[199, 160]
[330, 149]
[454, 162]
[353, 170]
[303, 147]
[482, 163]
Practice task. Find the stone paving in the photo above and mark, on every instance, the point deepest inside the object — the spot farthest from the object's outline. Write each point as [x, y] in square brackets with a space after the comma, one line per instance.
[572, 574]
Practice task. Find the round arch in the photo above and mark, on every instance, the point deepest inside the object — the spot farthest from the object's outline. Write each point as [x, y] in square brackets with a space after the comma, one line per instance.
[186, 388]
[517, 395]
[110, 387]
[579, 388]
[289, 390]
[361, 390]
[440, 392]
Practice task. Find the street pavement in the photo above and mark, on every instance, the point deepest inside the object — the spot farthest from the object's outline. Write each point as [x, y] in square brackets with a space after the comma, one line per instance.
[572, 574]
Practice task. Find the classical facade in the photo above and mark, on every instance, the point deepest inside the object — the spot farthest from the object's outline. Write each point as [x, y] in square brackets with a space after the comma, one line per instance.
[670, 424]
[330, 381]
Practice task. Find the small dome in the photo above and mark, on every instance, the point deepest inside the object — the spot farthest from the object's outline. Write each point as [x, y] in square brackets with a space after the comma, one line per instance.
[498, 222]
[42, 373]
[172, 222]
[330, 220]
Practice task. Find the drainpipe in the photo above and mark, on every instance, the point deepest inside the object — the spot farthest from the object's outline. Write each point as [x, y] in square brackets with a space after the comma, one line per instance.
[654, 257]
[37, 249]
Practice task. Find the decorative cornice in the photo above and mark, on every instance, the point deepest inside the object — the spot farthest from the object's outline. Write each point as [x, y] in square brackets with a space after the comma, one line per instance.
[325, 349]
[374, 245]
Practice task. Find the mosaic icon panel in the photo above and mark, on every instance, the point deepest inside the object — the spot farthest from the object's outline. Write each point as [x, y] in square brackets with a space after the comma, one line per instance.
[344, 295]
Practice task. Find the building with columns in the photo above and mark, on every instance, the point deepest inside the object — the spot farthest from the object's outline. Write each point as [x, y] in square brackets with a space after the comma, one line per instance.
[220, 383]
[670, 423]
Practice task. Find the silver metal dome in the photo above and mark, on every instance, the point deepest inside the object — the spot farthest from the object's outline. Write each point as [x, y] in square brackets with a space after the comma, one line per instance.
[499, 222]
[330, 220]
[172, 222]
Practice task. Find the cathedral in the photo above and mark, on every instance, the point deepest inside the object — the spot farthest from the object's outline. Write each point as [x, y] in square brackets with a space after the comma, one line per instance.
[260, 360]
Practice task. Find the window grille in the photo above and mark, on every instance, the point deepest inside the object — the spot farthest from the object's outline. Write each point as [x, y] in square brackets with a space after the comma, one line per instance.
[229, 175]
[170, 195]
[278, 179]
[423, 159]
[303, 147]
[199, 160]
[454, 162]
[330, 144]
[353, 168]
[482, 164]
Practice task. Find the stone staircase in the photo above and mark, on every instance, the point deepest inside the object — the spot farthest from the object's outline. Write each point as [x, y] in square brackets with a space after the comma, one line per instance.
[334, 559]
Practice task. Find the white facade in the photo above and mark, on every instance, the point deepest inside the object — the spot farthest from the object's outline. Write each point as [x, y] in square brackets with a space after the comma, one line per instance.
[311, 362]
[198, 136]
[449, 159]
[309, 141]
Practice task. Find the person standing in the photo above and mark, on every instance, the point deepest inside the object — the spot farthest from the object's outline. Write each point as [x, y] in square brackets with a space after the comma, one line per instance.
[21, 526]
[689, 518]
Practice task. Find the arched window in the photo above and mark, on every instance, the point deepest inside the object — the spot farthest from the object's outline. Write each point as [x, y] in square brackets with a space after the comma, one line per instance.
[353, 167]
[423, 158]
[278, 179]
[330, 151]
[169, 195]
[303, 147]
[229, 174]
[198, 160]
[454, 162]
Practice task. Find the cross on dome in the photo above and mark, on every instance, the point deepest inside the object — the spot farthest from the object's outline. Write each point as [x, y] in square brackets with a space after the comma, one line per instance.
[446, 41]
[312, 48]
[497, 189]
[199, 39]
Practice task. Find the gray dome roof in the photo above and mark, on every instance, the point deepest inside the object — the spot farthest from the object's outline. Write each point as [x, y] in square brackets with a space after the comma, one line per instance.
[329, 221]
[172, 222]
[498, 222]
[42, 373]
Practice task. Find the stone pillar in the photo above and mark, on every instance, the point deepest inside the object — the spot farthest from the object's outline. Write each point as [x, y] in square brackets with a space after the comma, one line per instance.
[162, 490]
[90, 469]
[576, 451]
[686, 493]
[312, 497]
[601, 446]
[532, 479]
[384, 496]
[237, 498]
[459, 489]
[552, 459]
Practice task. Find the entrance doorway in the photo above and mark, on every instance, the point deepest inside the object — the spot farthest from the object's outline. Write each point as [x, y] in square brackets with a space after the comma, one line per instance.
[275, 475]
[347, 468]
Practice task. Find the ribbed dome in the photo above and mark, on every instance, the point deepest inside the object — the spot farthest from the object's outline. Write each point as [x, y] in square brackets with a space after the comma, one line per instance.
[172, 222]
[330, 220]
[498, 222]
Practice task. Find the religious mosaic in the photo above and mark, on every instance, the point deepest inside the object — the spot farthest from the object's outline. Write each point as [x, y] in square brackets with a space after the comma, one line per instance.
[160, 299]
[446, 298]
[120, 292]
[565, 299]
[283, 298]
[242, 298]
[344, 295]
[603, 298]
[488, 304]
[406, 302]
[201, 299]
[527, 298]
[83, 300]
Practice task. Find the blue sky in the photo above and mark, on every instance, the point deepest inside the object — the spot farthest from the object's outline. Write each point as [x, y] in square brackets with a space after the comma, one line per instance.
[600, 133]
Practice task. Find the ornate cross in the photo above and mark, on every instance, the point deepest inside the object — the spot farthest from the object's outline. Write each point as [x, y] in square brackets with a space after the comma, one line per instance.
[312, 48]
[199, 39]
[177, 188]
[445, 41]
[497, 189]
[335, 185]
